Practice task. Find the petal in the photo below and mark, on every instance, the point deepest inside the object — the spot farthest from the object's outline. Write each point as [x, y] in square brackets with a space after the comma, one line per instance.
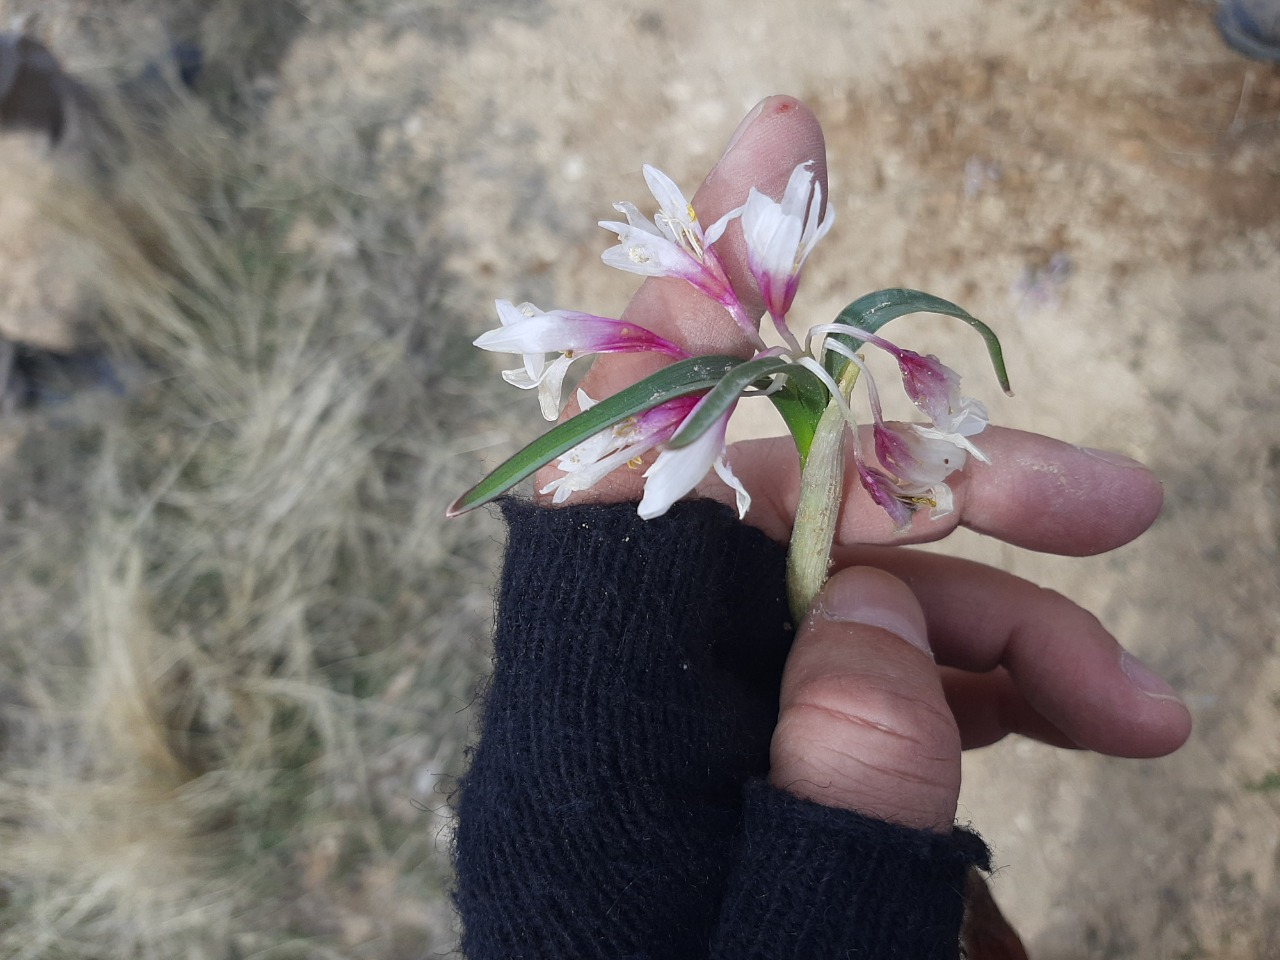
[670, 198]
[884, 493]
[519, 377]
[508, 312]
[676, 472]
[773, 237]
[588, 463]
[550, 386]
[959, 440]
[774, 261]
[919, 457]
[799, 189]
[593, 459]
[549, 383]
[967, 419]
[814, 230]
[943, 503]
[717, 229]
[635, 219]
[525, 337]
[931, 384]
[511, 316]
[742, 498]
[649, 255]
[566, 331]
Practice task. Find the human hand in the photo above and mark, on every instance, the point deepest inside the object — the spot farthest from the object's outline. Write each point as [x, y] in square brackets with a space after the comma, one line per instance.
[887, 682]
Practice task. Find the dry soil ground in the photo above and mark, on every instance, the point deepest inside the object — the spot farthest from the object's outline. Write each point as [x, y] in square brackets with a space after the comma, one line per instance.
[1099, 179]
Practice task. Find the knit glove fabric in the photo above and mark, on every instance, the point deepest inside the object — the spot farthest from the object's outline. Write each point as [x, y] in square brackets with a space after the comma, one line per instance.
[615, 806]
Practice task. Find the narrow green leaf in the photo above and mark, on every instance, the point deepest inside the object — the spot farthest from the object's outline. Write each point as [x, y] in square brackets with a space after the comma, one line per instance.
[801, 403]
[677, 380]
[873, 311]
[724, 395]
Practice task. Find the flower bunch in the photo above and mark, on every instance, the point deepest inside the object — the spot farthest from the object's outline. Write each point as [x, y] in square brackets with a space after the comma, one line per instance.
[683, 411]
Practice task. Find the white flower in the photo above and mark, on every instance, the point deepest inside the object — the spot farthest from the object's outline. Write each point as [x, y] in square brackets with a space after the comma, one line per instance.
[887, 493]
[599, 455]
[780, 235]
[549, 383]
[534, 333]
[677, 471]
[920, 459]
[672, 244]
[648, 251]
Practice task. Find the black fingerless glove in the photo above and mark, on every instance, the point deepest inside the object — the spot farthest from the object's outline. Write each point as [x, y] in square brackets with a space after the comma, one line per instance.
[615, 806]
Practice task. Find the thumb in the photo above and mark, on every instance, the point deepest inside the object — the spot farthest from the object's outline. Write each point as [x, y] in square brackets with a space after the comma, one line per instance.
[864, 723]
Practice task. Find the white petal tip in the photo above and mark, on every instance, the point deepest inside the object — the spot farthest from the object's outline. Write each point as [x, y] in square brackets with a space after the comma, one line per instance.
[652, 512]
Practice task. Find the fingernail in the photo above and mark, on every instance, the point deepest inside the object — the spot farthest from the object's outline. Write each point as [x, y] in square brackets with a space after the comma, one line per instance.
[749, 119]
[1141, 676]
[1113, 458]
[877, 599]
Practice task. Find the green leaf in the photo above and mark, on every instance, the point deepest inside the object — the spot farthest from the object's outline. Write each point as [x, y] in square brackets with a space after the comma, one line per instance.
[677, 380]
[724, 395]
[801, 403]
[873, 311]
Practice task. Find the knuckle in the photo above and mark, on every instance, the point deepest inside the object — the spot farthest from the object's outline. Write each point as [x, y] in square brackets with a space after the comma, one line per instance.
[866, 710]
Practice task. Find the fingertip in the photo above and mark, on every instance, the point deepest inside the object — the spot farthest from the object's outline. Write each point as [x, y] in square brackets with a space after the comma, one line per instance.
[770, 108]
[1155, 730]
[874, 598]
[1048, 495]
[779, 133]
[1103, 697]
[1160, 716]
[1135, 484]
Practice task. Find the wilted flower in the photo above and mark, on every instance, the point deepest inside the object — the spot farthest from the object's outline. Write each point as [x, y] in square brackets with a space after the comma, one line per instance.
[920, 463]
[935, 389]
[887, 494]
[918, 458]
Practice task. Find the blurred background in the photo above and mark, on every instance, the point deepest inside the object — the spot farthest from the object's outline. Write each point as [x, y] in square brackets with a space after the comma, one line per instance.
[246, 244]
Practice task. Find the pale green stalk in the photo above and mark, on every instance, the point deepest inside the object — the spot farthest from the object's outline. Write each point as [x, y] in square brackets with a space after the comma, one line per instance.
[821, 494]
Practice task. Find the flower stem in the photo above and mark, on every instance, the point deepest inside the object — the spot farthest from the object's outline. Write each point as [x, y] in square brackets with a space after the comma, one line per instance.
[821, 494]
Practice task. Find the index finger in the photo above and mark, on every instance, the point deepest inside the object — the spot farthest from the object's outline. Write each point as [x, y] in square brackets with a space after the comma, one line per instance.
[779, 134]
[1037, 492]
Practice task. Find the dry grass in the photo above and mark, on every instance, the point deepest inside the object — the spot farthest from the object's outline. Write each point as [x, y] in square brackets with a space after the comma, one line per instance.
[236, 634]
